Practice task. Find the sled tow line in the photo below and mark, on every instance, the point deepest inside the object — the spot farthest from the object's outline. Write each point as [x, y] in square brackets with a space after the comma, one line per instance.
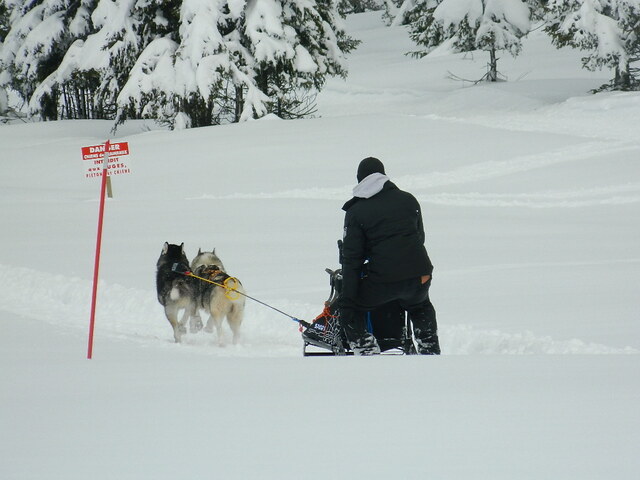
[230, 286]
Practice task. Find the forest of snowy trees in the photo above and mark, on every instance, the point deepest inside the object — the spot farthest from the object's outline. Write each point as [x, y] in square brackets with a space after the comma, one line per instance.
[184, 62]
[607, 30]
[191, 63]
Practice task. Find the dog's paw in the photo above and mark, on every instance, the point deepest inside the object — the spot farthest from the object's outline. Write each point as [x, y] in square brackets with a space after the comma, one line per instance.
[195, 325]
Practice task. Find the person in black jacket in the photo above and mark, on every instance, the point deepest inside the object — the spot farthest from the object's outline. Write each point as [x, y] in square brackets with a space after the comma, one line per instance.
[384, 259]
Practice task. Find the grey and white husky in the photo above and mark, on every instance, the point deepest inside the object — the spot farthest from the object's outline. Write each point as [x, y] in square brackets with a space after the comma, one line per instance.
[177, 292]
[213, 299]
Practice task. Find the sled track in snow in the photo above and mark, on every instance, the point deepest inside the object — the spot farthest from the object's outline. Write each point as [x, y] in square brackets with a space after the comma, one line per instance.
[500, 168]
[613, 195]
[609, 195]
[134, 315]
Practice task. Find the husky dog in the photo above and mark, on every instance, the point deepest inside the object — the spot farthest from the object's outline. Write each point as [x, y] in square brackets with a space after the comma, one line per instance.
[212, 298]
[177, 292]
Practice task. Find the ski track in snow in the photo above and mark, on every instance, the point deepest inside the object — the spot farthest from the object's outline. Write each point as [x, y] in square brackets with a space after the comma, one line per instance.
[561, 119]
[613, 195]
[135, 315]
[609, 195]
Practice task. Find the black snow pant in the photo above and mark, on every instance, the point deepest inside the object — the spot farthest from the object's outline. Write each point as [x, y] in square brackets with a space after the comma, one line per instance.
[413, 296]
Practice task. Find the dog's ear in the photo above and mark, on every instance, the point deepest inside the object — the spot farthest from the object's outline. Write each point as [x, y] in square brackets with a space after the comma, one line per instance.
[182, 247]
[199, 250]
[165, 248]
[213, 250]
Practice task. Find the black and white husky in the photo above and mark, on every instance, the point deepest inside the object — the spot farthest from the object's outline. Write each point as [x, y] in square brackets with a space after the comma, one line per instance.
[214, 299]
[176, 291]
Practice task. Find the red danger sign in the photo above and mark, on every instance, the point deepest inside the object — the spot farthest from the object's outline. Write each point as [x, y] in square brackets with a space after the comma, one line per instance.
[97, 151]
[94, 156]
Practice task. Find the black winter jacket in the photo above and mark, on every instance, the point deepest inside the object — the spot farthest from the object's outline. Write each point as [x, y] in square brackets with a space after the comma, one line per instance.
[385, 229]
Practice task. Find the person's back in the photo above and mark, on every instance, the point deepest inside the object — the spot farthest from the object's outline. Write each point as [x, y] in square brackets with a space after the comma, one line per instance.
[384, 258]
[394, 237]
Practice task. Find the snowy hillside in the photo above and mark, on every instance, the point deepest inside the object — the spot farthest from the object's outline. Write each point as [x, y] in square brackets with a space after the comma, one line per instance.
[531, 196]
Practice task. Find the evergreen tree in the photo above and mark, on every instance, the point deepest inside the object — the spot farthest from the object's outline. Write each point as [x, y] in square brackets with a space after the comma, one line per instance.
[70, 89]
[467, 25]
[346, 7]
[538, 9]
[196, 74]
[126, 29]
[608, 29]
[232, 61]
[184, 62]
[142, 46]
[4, 29]
[308, 45]
[40, 34]
[25, 51]
[4, 21]
[396, 12]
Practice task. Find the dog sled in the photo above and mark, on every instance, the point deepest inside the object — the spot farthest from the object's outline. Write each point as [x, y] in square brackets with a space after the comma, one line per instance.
[388, 323]
[323, 336]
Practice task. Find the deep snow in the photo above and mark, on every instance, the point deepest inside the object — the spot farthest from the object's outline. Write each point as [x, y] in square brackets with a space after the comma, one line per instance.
[530, 191]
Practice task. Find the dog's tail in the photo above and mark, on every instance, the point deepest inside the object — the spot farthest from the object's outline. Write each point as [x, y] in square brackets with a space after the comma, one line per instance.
[174, 294]
[181, 289]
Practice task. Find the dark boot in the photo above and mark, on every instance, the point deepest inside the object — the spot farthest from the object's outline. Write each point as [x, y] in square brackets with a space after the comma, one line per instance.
[366, 345]
[360, 340]
[428, 345]
[425, 330]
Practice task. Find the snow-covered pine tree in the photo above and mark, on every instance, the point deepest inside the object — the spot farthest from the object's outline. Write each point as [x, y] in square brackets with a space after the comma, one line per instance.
[235, 60]
[185, 62]
[5, 78]
[346, 7]
[27, 48]
[4, 29]
[467, 25]
[75, 81]
[40, 34]
[396, 12]
[289, 48]
[106, 37]
[608, 29]
[296, 44]
[142, 44]
[538, 9]
[632, 23]
[9, 13]
[195, 74]
[4, 21]
[243, 96]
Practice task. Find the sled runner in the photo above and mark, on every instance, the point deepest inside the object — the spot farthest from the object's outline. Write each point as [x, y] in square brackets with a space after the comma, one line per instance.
[388, 323]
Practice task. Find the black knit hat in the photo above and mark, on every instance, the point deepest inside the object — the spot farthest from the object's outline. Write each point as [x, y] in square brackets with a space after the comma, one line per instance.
[368, 166]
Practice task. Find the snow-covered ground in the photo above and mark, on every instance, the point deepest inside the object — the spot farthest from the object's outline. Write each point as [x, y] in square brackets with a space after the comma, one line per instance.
[531, 195]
